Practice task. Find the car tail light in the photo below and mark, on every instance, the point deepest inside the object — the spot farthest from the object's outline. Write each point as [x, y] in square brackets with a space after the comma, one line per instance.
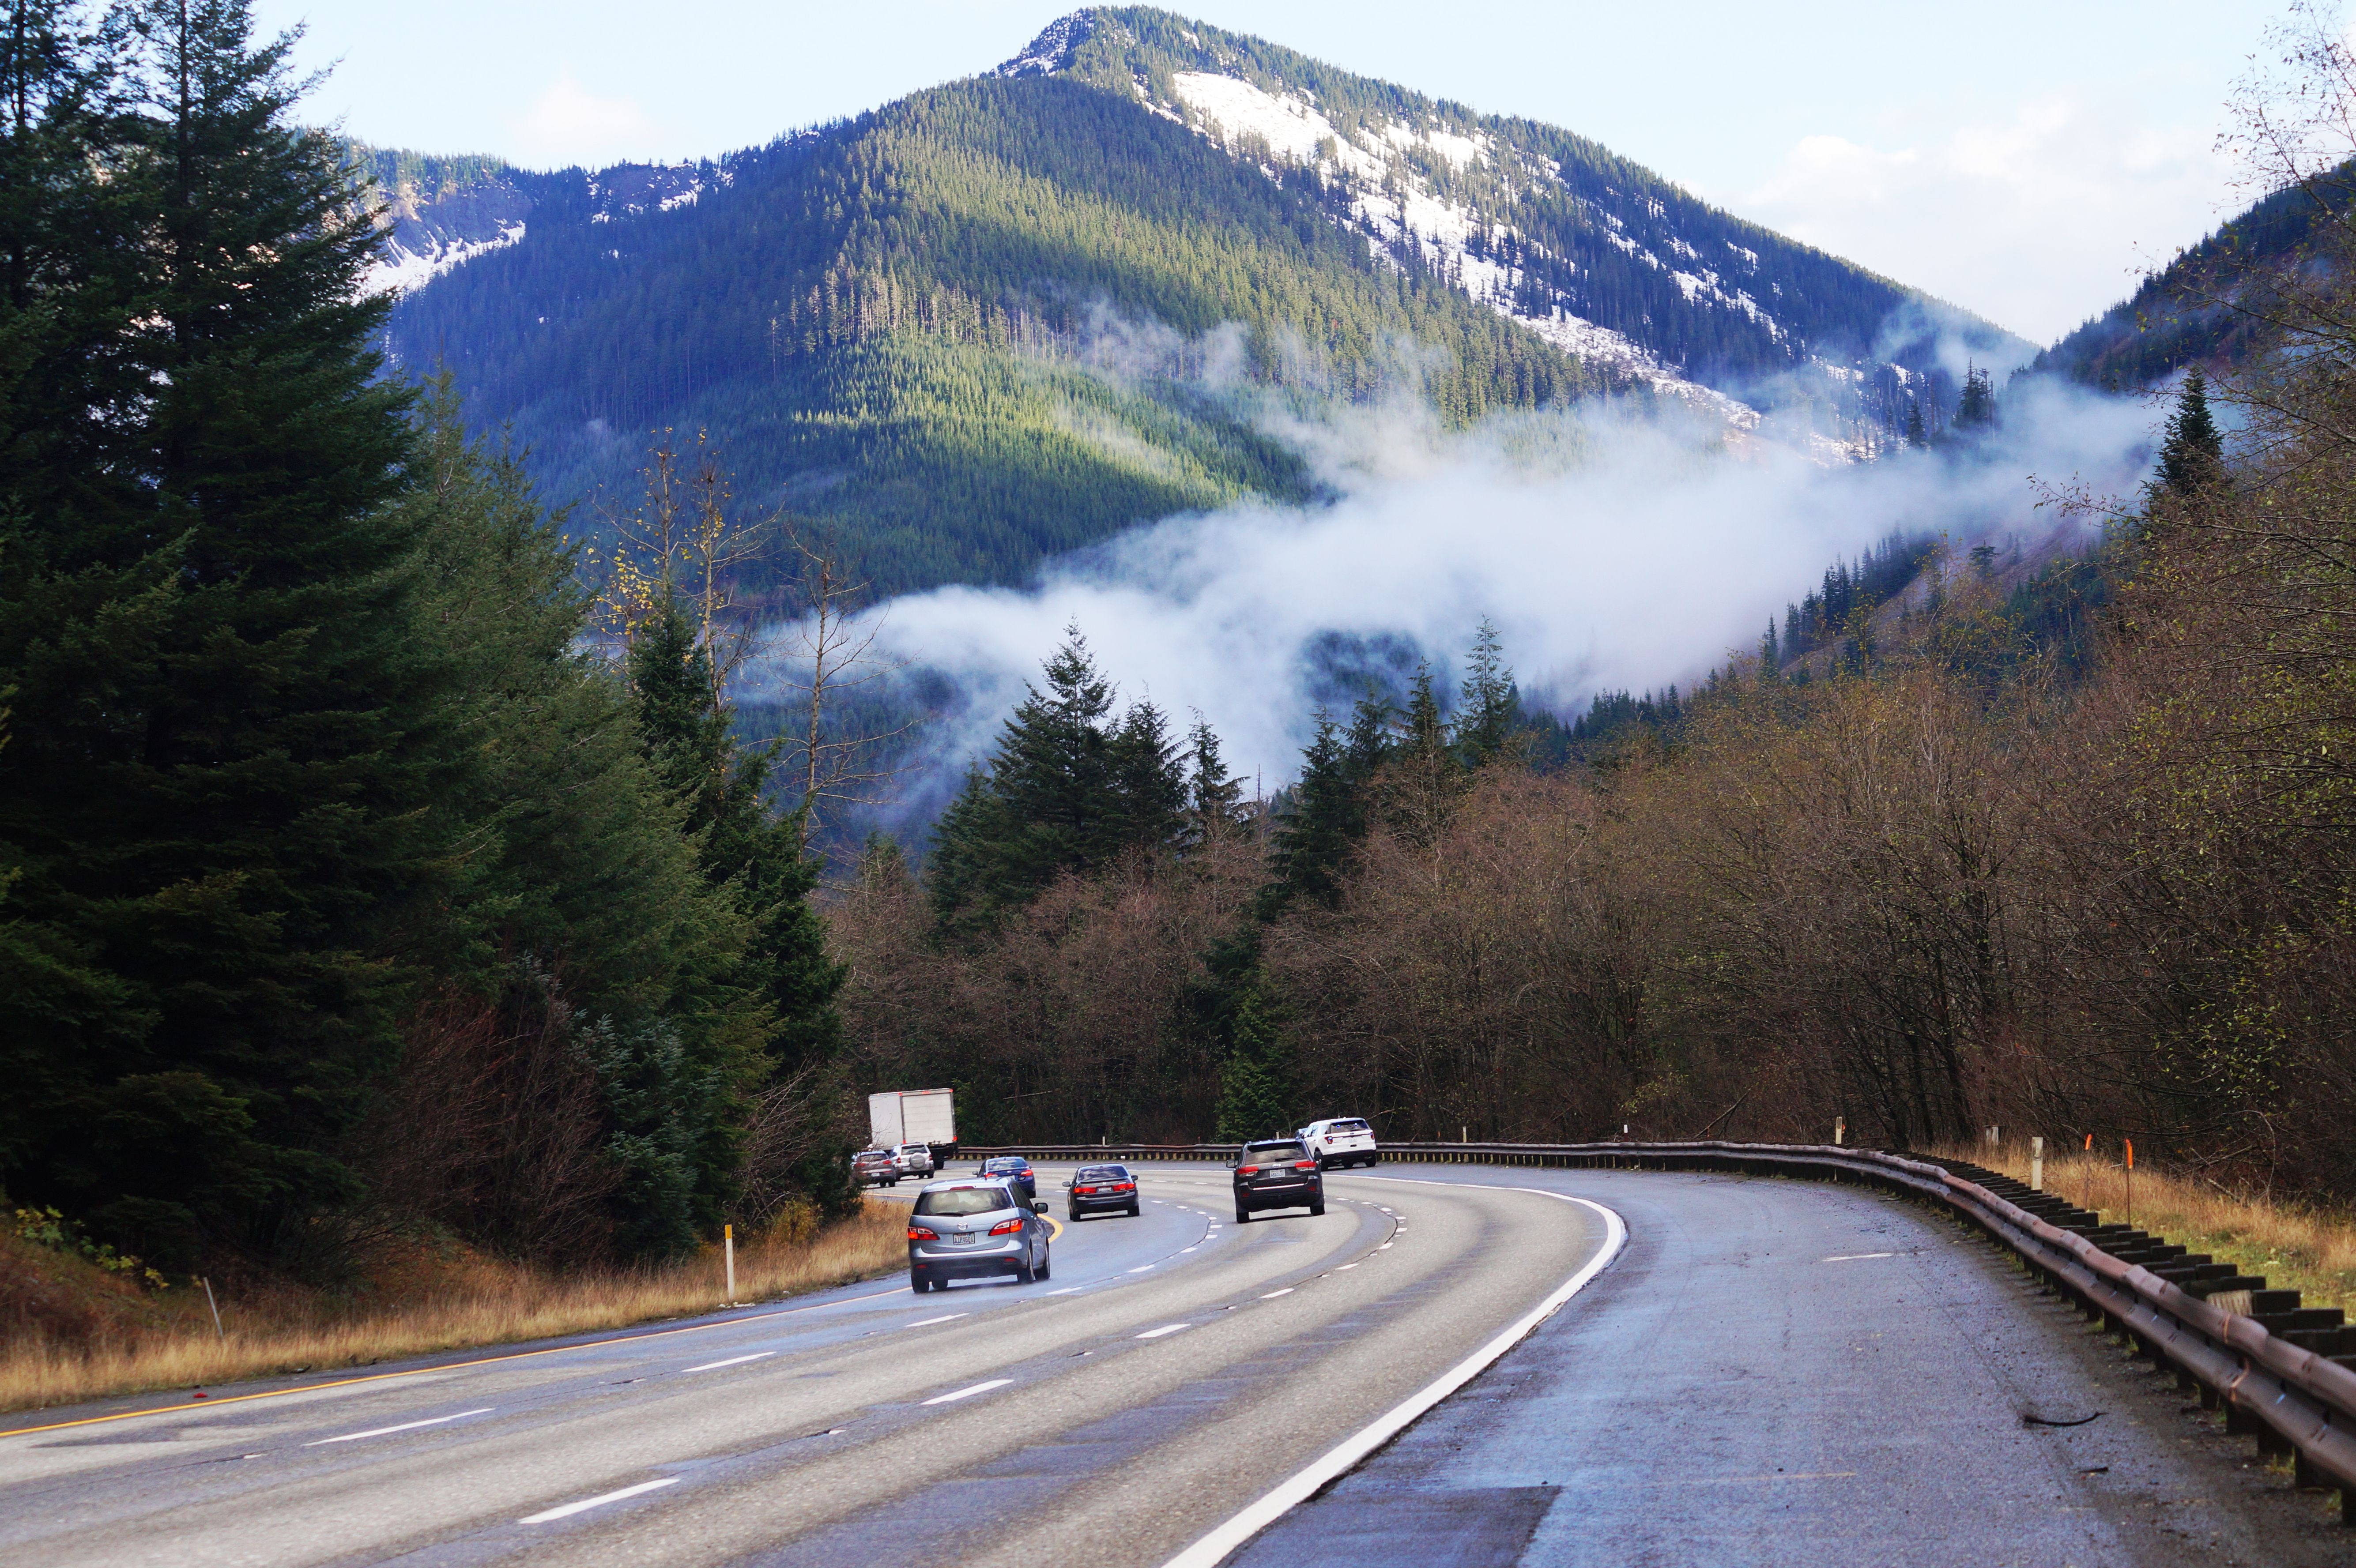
[1086, 1191]
[923, 1234]
[1124, 1186]
[1306, 1165]
[1006, 1227]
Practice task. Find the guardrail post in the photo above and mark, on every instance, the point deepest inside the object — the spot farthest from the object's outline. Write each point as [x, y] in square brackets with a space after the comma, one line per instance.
[2037, 1165]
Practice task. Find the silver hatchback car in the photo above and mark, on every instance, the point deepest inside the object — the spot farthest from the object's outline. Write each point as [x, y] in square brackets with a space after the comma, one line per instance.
[964, 1229]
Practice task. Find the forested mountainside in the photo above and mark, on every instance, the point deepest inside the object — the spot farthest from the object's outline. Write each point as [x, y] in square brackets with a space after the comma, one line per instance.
[1012, 315]
[1543, 225]
[2194, 310]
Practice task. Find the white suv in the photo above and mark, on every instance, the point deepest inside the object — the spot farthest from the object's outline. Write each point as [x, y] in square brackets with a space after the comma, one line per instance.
[1344, 1140]
[913, 1159]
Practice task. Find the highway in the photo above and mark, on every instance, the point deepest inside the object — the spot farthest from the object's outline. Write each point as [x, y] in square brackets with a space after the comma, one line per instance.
[1767, 1372]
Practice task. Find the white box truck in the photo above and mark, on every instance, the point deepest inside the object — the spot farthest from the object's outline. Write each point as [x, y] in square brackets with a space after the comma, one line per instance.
[912, 1116]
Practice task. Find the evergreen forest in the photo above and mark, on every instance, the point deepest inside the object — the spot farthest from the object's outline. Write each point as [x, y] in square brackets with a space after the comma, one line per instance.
[342, 889]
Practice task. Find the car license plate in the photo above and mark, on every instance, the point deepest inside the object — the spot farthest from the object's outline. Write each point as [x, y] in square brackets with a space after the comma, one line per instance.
[965, 1241]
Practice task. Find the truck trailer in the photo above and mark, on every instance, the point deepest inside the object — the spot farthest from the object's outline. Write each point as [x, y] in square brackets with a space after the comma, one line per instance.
[914, 1117]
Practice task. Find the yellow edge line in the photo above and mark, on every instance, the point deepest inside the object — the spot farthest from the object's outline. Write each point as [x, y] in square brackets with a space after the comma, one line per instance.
[445, 1367]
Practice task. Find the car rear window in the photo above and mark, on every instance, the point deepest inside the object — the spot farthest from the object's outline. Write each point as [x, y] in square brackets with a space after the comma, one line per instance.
[1003, 1167]
[1102, 1173]
[1273, 1153]
[1346, 1127]
[959, 1200]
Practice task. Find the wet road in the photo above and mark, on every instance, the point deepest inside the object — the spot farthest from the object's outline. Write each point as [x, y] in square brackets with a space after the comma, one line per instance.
[1173, 1367]
[1769, 1372]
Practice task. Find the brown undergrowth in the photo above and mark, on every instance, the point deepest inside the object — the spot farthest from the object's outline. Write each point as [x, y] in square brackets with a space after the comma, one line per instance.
[70, 1330]
[2296, 1246]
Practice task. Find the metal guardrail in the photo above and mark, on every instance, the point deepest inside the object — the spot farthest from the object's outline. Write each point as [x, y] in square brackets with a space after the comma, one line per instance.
[2294, 1399]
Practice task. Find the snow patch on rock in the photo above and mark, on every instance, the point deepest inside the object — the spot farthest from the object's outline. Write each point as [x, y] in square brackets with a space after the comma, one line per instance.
[397, 268]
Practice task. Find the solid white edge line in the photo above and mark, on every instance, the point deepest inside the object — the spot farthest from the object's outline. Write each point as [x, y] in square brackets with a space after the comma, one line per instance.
[543, 1518]
[404, 1426]
[1298, 1488]
[731, 1361]
[969, 1392]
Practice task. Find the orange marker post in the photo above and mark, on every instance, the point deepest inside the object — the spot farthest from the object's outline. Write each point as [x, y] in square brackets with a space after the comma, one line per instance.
[2089, 1178]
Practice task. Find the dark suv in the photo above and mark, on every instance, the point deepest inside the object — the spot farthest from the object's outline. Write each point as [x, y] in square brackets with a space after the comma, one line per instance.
[1278, 1174]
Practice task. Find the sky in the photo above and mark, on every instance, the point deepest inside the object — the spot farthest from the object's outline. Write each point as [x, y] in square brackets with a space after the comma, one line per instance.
[2025, 160]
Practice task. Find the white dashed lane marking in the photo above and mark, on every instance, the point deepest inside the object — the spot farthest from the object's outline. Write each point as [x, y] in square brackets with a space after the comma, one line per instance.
[570, 1509]
[404, 1426]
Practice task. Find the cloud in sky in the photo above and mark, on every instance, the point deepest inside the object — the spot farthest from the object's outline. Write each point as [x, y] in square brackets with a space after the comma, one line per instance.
[1625, 556]
[2035, 218]
[568, 123]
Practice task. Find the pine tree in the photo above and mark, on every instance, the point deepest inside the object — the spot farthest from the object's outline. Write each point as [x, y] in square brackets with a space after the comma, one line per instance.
[770, 1008]
[1320, 825]
[1255, 1094]
[1489, 702]
[1148, 784]
[1069, 789]
[1916, 436]
[228, 735]
[1976, 408]
[2192, 454]
[1424, 773]
[1214, 799]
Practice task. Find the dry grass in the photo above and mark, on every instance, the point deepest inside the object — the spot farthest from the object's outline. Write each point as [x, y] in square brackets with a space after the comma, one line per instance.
[2295, 1247]
[420, 1302]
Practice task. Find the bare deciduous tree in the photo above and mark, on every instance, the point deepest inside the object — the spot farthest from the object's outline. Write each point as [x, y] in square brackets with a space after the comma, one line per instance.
[828, 657]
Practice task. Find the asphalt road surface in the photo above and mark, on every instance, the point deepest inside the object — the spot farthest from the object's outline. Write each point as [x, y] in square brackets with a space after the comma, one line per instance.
[1767, 1372]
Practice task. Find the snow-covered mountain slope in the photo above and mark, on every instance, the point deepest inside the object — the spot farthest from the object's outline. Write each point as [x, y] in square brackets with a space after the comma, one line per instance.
[441, 212]
[1597, 255]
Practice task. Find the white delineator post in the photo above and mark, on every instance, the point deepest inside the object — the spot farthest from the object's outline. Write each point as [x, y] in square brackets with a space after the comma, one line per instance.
[2037, 1165]
[728, 1247]
[1840, 1131]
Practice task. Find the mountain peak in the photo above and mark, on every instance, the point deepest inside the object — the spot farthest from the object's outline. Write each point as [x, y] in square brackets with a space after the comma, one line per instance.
[1052, 50]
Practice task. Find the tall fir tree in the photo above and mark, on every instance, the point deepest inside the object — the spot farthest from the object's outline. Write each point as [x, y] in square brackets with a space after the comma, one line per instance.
[1488, 702]
[1070, 788]
[207, 605]
[1214, 806]
[2193, 454]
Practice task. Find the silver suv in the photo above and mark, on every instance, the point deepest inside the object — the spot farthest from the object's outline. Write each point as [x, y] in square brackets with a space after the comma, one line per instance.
[963, 1230]
[913, 1159]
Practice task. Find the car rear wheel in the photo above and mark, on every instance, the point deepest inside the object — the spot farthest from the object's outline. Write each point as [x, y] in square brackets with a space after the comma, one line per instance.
[1044, 1260]
[917, 1281]
[1024, 1274]
[1243, 1215]
[1133, 1210]
[1317, 1208]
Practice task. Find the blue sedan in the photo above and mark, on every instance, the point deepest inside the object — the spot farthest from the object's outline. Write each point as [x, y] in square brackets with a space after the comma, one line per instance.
[1013, 1168]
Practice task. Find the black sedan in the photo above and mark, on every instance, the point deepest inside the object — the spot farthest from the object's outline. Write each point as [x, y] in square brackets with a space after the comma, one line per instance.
[1101, 1190]
[1013, 1168]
